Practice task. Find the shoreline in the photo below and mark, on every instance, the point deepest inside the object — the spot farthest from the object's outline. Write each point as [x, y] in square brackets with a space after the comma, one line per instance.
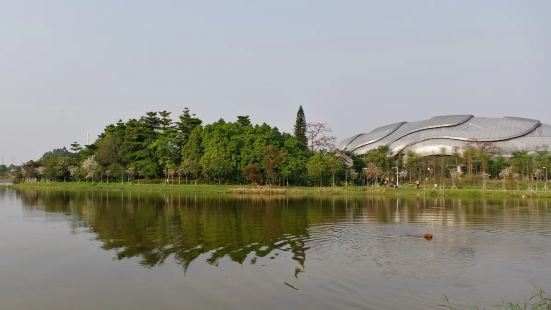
[288, 191]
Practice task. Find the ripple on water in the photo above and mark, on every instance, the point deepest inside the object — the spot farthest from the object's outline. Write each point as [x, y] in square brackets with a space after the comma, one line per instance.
[368, 254]
[398, 253]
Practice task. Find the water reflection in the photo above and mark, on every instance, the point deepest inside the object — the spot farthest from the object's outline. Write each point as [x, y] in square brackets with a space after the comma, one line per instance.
[155, 227]
[270, 251]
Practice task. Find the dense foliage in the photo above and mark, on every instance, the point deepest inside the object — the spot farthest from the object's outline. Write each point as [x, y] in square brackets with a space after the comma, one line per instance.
[477, 162]
[157, 147]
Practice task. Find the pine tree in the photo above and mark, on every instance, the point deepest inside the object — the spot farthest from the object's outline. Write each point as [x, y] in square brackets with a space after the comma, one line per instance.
[300, 126]
[185, 125]
[75, 147]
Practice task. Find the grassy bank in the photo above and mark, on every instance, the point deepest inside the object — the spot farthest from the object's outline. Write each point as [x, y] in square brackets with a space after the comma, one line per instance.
[299, 191]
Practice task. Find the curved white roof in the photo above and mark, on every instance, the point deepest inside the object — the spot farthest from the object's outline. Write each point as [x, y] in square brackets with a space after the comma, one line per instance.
[454, 132]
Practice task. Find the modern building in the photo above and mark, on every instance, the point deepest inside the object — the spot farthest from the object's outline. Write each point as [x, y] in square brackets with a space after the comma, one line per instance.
[452, 133]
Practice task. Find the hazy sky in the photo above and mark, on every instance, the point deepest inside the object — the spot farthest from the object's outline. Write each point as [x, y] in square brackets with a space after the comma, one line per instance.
[68, 67]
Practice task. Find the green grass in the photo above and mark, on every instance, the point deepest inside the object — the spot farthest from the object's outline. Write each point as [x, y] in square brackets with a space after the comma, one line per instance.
[81, 186]
[298, 191]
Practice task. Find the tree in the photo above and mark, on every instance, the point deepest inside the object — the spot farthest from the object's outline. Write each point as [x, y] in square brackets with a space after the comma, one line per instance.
[55, 152]
[334, 165]
[381, 157]
[455, 175]
[252, 172]
[169, 172]
[41, 171]
[244, 120]
[324, 167]
[372, 173]
[318, 140]
[116, 171]
[484, 155]
[542, 158]
[505, 174]
[153, 145]
[193, 149]
[478, 157]
[89, 167]
[74, 172]
[316, 168]
[50, 167]
[165, 147]
[253, 140]
[107, 151]
[521, 162]
[62, 164]
[135, 148]
[293, 168]
[216, 169]
[221, 144]
[130, 173]
[272, 157]
[443, 164]
[75, 147]
[191, 168]
[470, 154]
[108, 174]
[300, 127]
[497, 164]
[30, 170]
[185, 125]
[412, 163]
[455, 157]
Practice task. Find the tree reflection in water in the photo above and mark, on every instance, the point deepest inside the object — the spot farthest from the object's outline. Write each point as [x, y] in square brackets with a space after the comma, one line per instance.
[155, 227]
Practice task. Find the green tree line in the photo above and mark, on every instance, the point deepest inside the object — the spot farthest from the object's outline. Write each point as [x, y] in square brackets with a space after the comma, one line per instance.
[6, 171]
[184, 150]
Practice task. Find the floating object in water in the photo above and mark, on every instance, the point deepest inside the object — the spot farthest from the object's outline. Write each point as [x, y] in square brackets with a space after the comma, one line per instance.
[427, 236]
[291, 286]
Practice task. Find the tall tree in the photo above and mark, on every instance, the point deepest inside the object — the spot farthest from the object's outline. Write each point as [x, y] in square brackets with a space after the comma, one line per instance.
[244, 120]
[107, 151]
[193, 149]
[165, 147]
[185, 126]
[300, 126]
[293, 168]
[136, 151]
[75, 147]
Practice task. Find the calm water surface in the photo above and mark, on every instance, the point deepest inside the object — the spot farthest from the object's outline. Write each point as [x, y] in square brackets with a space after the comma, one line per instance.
[135, 251]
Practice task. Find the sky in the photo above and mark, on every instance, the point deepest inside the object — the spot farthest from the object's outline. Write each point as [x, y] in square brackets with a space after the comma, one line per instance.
[68, 67]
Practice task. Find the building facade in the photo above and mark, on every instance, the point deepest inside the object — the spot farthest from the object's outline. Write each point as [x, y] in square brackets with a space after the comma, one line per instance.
[452, 133]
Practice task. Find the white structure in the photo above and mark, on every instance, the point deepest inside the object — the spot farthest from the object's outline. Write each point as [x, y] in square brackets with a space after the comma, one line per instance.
[452, 133]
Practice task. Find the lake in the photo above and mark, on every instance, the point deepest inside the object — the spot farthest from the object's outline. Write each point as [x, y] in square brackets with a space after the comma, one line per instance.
[101, 250]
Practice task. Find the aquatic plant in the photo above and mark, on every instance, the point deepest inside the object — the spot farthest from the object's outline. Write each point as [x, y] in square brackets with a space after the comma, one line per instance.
[539, 301]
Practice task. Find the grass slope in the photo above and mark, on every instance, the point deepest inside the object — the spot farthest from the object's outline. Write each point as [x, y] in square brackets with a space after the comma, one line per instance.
[299, 191]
